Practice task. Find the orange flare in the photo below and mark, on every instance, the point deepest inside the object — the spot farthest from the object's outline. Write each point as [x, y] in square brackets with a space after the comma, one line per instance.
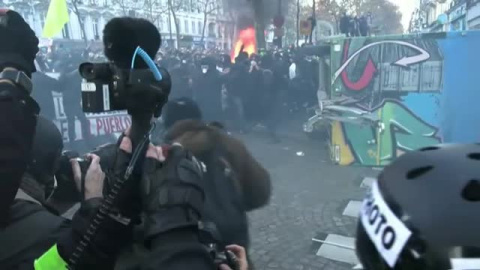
[246, 37]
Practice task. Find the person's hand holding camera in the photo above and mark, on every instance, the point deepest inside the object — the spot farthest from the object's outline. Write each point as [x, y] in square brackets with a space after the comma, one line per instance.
[92, 187]
[241, 255]
[116, 230]
[172, 190]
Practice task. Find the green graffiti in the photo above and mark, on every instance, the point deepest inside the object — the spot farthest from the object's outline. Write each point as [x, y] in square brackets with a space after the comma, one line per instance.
[398, 131]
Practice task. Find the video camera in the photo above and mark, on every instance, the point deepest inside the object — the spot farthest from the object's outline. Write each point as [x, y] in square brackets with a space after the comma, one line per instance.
[106, 87]
[131, 83]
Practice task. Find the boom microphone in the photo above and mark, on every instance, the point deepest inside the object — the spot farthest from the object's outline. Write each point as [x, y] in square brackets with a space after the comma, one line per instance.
[123, 35]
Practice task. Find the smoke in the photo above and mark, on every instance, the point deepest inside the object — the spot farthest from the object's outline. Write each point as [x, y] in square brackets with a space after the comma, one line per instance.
[246, 15]
[271, 9]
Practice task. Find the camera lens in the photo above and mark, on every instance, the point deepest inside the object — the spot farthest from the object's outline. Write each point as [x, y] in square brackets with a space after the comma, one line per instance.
[90, 71]
[87, 71]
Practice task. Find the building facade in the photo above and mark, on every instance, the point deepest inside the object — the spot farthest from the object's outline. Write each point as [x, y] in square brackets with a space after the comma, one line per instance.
[445, 15]
[88, 18]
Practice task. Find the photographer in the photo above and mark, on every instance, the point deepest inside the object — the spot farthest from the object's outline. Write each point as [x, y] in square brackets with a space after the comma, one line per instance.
[17, 109]
[169, 186]
[31, 215]
[36, 228]
[171, 224]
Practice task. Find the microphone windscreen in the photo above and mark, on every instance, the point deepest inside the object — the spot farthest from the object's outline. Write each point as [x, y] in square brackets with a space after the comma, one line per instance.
[122, 36]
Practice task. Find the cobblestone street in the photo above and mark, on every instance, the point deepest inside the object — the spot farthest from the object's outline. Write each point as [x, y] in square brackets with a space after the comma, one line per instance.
[309, 198]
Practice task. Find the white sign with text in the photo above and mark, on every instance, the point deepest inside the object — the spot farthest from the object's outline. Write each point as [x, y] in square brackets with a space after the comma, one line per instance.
[387, 232]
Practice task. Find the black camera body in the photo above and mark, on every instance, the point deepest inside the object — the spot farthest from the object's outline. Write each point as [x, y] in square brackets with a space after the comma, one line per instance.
[66, 190]
[223, 257]
[212, 240]
[105, 87]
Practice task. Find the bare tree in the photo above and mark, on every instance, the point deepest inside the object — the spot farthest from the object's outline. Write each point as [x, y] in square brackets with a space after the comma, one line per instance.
[207, 8]
[76, 9]
[128, 5]
[123, 4]
[173, 7]
[330, 11]
[298, 22]
[258, 10]
[232, 11]
[154, 9]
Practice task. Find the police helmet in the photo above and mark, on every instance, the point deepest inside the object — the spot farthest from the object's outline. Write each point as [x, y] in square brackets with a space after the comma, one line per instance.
[423, 212]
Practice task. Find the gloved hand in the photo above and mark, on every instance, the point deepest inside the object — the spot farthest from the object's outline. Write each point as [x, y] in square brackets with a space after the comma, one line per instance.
[115, 230]
[19, 44]
[172, 191]
[127, 202]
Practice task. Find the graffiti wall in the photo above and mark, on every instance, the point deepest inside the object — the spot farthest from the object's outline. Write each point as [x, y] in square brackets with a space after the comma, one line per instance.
[415, 91]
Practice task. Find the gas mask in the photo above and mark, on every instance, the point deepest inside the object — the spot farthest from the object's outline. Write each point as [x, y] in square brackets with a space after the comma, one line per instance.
[204, 69]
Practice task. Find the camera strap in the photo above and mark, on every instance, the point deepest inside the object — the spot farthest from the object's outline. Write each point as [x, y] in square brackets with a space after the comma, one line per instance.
[105, 210]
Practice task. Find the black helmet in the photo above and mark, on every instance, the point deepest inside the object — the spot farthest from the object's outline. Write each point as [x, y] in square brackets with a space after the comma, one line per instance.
[423, 212]
[180, 109]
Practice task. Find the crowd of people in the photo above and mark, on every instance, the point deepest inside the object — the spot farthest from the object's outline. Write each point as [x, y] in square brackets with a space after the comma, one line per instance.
[243, 93]
[193, 192]
[356, 26]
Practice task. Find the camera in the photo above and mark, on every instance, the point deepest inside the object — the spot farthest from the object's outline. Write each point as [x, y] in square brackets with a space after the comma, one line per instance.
[105, 87]
[66, 190]
[223, 257]
[212, 240]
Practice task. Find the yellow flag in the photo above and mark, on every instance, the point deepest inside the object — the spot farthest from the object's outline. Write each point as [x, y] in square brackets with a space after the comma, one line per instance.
[57, 17]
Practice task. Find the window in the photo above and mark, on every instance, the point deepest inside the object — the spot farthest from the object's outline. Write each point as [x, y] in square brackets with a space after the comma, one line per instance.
[199, 28]
[187, 30]
[82, 27]
[211, 30]
[66, 31]
[194, 29]
[219, 31]
[160, 23]
[179, 25]
[95, 23]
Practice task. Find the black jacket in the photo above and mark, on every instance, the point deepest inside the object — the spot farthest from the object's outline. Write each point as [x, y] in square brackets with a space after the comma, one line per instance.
[177, 250]
[30, 232]
[17, 122]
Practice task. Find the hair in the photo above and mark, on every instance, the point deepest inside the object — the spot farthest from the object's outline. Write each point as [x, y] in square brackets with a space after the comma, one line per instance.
[201, 139]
